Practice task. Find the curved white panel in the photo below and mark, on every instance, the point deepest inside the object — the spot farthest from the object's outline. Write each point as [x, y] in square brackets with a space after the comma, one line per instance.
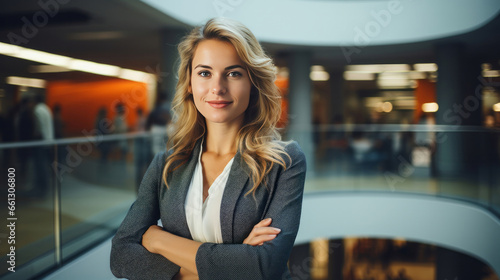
[446, 222]
[340, 23]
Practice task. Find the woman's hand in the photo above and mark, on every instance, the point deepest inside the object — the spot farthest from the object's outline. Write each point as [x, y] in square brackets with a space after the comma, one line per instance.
[149, 238]
[261, 233]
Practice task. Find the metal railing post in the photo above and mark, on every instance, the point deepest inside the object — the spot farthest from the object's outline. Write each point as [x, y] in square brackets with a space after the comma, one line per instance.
[57, 212]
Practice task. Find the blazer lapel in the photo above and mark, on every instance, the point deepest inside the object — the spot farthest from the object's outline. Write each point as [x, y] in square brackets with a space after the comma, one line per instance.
[181, 179]
[234, 187]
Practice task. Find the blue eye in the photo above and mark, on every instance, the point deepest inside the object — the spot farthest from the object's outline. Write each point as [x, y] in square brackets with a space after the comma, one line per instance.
[234, 74]
[204, 73]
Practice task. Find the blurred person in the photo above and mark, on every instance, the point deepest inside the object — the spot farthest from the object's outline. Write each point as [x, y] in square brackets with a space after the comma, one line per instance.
[101, 128]
[45, 127]
[9, 133]
[140, 125]
[337, 145]
[25, 122]
[370, 151]
[424, 141]
[59, 132]
[319, 118]
[9, 129]
[225, 142]
[382, 152]
[351, 273]
[141, 148]
[361, 146]
[26, 129]
[425, 137]
[402, 275]
[368, 273]
[157, 122]
[497, 119]
[120, 127]
[405, 147]
[44, 119]
[389, 275]
[489, 120]
[58, 122]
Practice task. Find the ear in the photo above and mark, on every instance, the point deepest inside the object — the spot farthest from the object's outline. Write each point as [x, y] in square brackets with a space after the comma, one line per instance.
[190, 89]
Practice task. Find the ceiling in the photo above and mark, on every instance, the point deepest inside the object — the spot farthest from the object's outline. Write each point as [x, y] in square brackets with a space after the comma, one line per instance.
[341, 23]
[127, 33]
[121, 33]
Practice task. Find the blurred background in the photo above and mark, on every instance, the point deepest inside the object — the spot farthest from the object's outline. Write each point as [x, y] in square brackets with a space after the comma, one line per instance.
[396, 104]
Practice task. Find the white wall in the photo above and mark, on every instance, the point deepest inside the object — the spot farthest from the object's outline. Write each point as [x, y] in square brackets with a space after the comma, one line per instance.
[449, 223]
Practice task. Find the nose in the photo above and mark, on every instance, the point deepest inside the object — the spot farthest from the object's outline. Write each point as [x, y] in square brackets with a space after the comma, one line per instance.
[218, 85]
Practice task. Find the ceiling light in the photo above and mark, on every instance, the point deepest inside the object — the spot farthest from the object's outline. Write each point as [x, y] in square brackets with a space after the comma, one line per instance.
[431, 107]
[56, 62]
[496, 107]
[387, 107]
[373, 101]
[283, 72]
[319, 76]
[407, 103]
[491, 73]
[42, 57]
[417, 75]
[317, 68]
[393, 76]
[394, 83]
[358, 76]
[47, 69]
[93, 67]
[33, 55]
[133, 75]
[486, 66]
[425, 67]
[378, 68]
[8, 49]
[28, 82]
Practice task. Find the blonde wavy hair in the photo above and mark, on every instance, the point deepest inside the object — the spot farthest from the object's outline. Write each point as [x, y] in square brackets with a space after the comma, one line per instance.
[258, 139]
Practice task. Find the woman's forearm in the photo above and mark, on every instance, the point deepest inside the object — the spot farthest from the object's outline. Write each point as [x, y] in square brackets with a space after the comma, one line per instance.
[179, 250]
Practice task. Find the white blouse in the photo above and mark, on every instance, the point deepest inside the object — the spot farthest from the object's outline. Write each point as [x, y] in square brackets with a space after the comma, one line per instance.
[203, 218]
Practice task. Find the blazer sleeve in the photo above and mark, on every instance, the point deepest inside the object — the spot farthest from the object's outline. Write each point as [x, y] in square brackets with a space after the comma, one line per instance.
[242, 261]
[129, 259]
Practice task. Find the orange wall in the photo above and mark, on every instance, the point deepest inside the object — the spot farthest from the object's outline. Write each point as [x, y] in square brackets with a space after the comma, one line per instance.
[424, 93]
[80, 102]
[283, 84]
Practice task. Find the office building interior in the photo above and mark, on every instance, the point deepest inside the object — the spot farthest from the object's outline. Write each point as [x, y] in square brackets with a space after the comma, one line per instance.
[395, 103]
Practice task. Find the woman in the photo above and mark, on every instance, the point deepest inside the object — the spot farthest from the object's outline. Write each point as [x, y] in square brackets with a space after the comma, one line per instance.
[228, 192]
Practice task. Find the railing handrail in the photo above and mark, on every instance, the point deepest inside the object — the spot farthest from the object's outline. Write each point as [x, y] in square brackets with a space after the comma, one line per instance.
[328, 127]
[403, 128]
[76, 140]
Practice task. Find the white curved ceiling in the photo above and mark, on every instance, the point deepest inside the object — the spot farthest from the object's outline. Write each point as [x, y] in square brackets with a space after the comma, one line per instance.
[340, 23]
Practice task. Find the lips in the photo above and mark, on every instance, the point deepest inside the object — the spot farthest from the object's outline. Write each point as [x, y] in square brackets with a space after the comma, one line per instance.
[218, 104]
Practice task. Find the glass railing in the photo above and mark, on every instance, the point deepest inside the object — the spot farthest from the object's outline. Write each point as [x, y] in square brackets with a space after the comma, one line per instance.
[71, 194]
[447, 161]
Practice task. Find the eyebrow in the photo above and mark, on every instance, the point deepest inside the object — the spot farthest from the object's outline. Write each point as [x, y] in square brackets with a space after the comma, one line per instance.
[227, 68]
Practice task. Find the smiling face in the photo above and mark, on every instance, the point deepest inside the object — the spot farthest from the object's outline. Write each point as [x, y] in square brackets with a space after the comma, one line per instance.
[220, 83]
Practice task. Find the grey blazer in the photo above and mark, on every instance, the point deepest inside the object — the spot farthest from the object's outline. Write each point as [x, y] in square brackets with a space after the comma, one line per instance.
[281, 201]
